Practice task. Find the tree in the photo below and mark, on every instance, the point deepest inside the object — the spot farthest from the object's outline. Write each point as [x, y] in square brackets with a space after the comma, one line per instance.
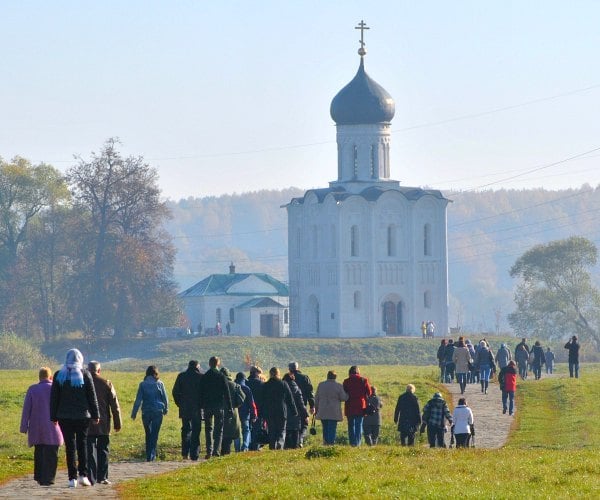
[556, 297]
[26, 191]
[125, 259]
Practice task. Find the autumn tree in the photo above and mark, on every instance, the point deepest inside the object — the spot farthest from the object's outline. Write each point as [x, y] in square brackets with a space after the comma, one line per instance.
[124, 257]
[26, 192]
[556, 297]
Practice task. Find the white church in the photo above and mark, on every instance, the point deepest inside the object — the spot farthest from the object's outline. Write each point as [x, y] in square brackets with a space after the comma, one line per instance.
[367, 256]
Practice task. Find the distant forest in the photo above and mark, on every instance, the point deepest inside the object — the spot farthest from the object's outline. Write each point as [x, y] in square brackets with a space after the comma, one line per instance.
[487, 232]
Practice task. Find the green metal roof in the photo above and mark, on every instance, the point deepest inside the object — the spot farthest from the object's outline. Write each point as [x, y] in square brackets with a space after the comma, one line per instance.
[219, 284]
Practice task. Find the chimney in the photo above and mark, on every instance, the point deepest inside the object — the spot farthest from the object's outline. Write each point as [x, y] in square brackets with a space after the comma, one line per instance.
[231, 268]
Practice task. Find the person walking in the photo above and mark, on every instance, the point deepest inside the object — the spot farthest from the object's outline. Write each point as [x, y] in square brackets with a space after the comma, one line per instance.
[408, 416]
[152, 397]
[441, 357]
[463, 423]
[484, 359]
[462, 360]
[277, 398]
[524, 344]
[232, 428]
[186, 394]
[503, 356]
[507, 378]
[216, 404]
[372, 420]
[538, 359]
[358, 390]
[255, 383]
[549, 355]
[327, 405]
[573, 346]
[293, 425]
[73, 405]
[43, 434]
[98, 439]
[247, 412]
[522, 359]
[308, 397]
[448, 357]
[435, 414]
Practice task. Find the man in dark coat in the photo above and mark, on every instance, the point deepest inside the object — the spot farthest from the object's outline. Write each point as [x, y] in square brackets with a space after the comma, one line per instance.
[294, 425]
[186, 393]
[255, 383]
[98, 438]
[308, 396]
[276, 398]
[573, 346]
[216, 403]
[408, 416]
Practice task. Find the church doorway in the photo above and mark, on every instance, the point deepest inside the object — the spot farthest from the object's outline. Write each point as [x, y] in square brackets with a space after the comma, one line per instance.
[269, 325]
[393, 317]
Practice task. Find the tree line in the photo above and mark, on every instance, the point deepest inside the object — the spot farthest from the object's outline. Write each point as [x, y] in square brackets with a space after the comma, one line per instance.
[86, 250]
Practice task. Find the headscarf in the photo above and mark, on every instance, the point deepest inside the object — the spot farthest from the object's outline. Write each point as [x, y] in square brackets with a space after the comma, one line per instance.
[72, 369]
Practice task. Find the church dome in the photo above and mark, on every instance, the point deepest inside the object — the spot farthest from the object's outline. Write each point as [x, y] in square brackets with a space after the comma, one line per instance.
[362, 101]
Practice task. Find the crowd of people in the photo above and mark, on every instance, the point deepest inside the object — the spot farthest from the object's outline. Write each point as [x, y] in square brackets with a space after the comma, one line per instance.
[76, 407]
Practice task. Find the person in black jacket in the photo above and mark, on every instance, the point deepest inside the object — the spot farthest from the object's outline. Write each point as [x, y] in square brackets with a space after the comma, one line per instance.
[408, 416]
[294, 425]
[277, 397]
[255, 383]
[186, 393]
[308, 396]
[573, 346]
[216, 403]
[73, 404]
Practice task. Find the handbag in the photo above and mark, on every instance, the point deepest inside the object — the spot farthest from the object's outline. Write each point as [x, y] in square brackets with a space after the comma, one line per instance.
[313, 428]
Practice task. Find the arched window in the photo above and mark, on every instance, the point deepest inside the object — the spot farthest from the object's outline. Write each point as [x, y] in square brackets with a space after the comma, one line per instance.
[427, 240]
[427, 300]
[391, 240]
[356, 300]
[354, 241]
[286, 317]
[314, 319]
[232, 315]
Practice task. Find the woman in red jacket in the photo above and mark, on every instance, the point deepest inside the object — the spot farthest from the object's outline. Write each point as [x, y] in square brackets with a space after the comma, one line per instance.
[358, 390]
[508, 384]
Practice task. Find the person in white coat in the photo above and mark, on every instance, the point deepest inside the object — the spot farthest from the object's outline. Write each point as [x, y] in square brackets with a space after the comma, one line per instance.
[328, 399]
[463, 424]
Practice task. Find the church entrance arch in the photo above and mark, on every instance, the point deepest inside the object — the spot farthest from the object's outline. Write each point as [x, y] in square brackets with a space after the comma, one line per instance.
[392, 322]
[313, 315]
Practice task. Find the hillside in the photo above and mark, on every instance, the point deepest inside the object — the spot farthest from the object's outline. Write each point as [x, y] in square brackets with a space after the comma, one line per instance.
[487, 231]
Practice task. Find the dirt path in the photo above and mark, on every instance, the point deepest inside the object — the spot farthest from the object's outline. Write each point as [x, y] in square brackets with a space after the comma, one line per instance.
[491, 426]
[25, 487]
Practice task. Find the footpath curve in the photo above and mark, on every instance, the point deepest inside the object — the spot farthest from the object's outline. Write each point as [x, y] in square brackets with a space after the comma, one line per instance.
[491, 426]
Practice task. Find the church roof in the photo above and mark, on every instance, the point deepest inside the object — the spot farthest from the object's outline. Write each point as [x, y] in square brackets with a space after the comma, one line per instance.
[259, 302]
[372, 193]
[362, 101]
[224, 284]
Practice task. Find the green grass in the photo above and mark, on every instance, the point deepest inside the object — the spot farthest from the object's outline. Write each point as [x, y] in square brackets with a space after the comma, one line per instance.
[552, 451]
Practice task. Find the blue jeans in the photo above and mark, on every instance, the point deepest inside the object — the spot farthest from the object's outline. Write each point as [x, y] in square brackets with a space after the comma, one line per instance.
[510, 396]
[152, 422]
[574, 369]
[329, 431]
[484, 373]
[355, 429]
[462, 381]
[245, 444]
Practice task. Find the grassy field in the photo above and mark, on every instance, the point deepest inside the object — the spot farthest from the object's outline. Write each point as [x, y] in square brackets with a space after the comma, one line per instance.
[553, 450]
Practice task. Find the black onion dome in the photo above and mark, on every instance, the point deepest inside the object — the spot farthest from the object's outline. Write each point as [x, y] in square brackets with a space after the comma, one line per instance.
[362, 101]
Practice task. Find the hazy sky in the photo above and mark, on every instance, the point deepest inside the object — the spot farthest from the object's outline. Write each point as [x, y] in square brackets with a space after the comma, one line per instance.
[233, 96]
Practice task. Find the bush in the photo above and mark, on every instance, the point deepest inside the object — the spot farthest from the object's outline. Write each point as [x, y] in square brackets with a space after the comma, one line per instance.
[18, 353]
[322, 452]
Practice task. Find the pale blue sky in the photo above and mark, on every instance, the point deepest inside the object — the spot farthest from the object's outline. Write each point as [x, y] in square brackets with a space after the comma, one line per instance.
[231, 96]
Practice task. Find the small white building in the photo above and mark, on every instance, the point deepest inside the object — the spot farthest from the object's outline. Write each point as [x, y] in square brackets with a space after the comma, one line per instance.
[367, 257]
[246, 304]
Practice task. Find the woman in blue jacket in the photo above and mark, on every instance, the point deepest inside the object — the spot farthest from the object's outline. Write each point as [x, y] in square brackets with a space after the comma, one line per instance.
[151, 395]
